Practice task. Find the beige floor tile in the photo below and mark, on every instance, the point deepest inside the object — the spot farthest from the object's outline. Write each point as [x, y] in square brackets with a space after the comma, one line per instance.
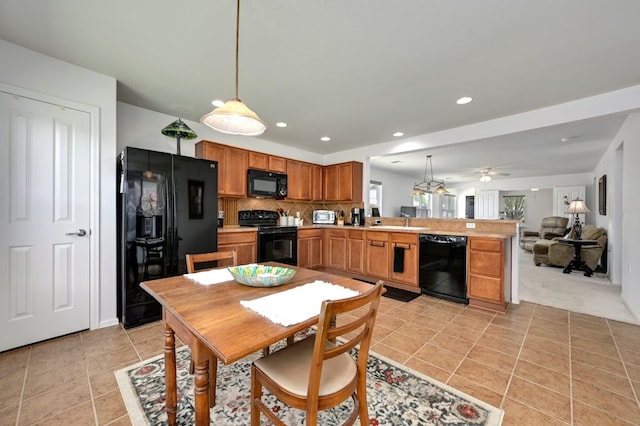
[109, 407]
[12, 386]
[421, 333]
[427, 369]
[148, 331]
[122, 421]
[543, 376]
[492, 358]
[402, 343]
[518, 414]
[13, 360]
[483, 375]
[603, 379]
[586, 415]
[43, 382]
[630, 355]
[547, 345]
[461, 332]
[150, 347]
[54, 402]
[474, 389]
[514, 335]
[62, 344]
[439, 318]
[390, 352]
[499, 344]
[473, 321]
[103, 382]
[79, 415]
[8, 414]
[612, 365]
[607, 401]
[542, 399]
[592, 346]
[451, 343]
[108, 360]
[389, 322]
[512, 323]
[553, 362]
[441, 358]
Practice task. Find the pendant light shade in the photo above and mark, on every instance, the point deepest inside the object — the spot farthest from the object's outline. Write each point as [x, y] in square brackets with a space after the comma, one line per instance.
[234, 117]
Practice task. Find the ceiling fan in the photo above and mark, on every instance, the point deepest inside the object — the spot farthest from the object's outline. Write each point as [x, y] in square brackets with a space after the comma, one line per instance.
[488, 173]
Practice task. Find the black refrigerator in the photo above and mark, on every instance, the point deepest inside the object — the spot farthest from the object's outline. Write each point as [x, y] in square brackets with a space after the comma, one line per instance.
[167, 207]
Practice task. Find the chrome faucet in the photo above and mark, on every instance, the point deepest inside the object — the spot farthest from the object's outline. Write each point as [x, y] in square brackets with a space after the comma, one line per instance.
[406, 219]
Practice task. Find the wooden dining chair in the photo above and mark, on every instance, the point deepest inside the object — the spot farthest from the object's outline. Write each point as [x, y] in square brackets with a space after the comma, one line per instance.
[223, 258]
[316, 374]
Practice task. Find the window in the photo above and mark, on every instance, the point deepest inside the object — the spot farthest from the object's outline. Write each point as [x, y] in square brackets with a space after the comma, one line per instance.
[424, 204]
[448, 205]
[513, 207]
[375, 195]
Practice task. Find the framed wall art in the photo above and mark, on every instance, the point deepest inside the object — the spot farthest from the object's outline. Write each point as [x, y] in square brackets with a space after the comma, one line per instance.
[602, 195]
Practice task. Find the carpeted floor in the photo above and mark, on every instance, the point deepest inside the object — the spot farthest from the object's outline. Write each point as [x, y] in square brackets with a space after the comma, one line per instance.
[396, 396]
[548, 286]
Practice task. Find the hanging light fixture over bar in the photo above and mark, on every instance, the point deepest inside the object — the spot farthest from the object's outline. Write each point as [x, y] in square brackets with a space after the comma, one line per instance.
[425, 187]
[235, 117]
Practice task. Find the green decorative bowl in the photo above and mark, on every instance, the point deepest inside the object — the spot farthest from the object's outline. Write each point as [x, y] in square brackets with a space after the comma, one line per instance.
[261, 275]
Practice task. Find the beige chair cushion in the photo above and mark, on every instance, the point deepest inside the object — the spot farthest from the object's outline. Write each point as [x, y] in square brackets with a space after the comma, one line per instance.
[290, 368]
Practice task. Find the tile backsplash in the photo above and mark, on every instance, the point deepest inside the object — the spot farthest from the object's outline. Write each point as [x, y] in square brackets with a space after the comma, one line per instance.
[231, 206]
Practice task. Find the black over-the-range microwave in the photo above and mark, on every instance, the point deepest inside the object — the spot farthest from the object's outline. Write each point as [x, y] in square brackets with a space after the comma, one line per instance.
[261, 183]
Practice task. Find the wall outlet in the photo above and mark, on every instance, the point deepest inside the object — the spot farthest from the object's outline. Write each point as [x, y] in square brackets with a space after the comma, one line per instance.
[471, 225]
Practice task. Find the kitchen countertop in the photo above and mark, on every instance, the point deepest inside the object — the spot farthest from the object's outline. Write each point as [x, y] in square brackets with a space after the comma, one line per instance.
[413, 230]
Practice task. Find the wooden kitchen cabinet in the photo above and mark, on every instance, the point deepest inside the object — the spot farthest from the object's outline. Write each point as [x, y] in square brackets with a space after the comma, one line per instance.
[377, 254]
[244, 242]
[486, 273]
[299, 182]
[343, 182]
[355, 251]
[408, 244]
[271, 163]
[310, 242]
[336, 249]
[317, 183]
[232, 167]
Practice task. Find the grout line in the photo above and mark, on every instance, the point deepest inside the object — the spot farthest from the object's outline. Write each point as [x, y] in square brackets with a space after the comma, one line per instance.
[86, 371]
[624, 364]
[24, 385]
[571, 408]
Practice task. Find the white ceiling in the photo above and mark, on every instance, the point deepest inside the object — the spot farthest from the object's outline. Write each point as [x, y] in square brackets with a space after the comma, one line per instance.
[360, 70]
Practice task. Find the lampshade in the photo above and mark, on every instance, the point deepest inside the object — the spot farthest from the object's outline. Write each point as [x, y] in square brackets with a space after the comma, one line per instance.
[178, 129]
[577, 206]
[234, 118]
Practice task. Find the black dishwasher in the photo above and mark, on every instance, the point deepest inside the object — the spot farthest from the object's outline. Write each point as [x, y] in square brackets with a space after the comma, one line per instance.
[443, 266]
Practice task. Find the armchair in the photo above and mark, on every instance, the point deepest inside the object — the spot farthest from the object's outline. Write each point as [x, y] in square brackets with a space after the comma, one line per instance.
[550, 227]
[553, 252]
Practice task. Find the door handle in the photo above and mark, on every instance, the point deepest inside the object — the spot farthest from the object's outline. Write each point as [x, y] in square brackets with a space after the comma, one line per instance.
[79, 233]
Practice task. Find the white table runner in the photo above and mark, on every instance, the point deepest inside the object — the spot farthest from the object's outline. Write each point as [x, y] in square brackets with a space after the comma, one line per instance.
[298, 304]
[212, 276]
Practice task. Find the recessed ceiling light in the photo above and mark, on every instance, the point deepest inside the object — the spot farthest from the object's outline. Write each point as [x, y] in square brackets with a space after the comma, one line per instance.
[396, 162]
[535, 189]
[464, 100]
[217, 103]
[325, 139]
[281, 124]
[398, 134]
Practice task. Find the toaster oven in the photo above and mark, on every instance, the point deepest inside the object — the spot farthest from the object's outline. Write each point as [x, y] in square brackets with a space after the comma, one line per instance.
[324, 217]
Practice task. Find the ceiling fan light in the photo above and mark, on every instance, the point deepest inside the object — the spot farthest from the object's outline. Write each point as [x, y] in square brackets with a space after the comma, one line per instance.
[485, 178]
[234, 118]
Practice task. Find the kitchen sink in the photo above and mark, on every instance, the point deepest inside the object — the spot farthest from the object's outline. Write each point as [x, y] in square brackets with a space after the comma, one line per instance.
[399, 227]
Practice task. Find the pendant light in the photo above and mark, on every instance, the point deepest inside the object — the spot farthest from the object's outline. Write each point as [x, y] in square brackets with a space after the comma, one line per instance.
[425, 186]
[234, 117]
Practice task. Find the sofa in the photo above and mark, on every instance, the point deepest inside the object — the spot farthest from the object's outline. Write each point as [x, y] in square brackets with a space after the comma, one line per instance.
[550, 227]
[553, 252]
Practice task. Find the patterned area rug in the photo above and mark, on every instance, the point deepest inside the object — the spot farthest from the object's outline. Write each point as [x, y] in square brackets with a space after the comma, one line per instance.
[395, 395]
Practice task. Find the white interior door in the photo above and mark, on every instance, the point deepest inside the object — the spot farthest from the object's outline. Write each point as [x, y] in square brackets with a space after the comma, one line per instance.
[44, 220]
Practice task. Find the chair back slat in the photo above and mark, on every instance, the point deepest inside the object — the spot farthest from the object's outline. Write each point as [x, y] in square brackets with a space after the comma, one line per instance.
[223, 258]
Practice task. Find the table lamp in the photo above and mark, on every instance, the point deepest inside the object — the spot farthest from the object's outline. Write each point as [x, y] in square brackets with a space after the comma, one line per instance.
[178, 129]
[577, 207]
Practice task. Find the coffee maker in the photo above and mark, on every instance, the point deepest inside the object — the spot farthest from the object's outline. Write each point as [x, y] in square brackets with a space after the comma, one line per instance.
[357, 216]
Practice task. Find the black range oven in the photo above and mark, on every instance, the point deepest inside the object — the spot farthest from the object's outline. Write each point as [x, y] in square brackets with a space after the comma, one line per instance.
[275, 243]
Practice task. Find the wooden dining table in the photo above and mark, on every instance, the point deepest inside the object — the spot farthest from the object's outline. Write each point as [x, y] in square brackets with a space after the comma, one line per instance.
[213, 323]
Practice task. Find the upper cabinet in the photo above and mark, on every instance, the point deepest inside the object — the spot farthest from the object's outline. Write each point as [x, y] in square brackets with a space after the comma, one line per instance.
[299, 183]
[260, 161]
[232, 167]
[343, 182]
[317, 183]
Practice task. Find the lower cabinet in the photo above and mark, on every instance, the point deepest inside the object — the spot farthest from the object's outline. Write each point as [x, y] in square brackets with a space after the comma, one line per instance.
[377, 254]
[310, 243]
[244, 242]
[355, 251]
[486, 273]
[404, 258]
[336, 249]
